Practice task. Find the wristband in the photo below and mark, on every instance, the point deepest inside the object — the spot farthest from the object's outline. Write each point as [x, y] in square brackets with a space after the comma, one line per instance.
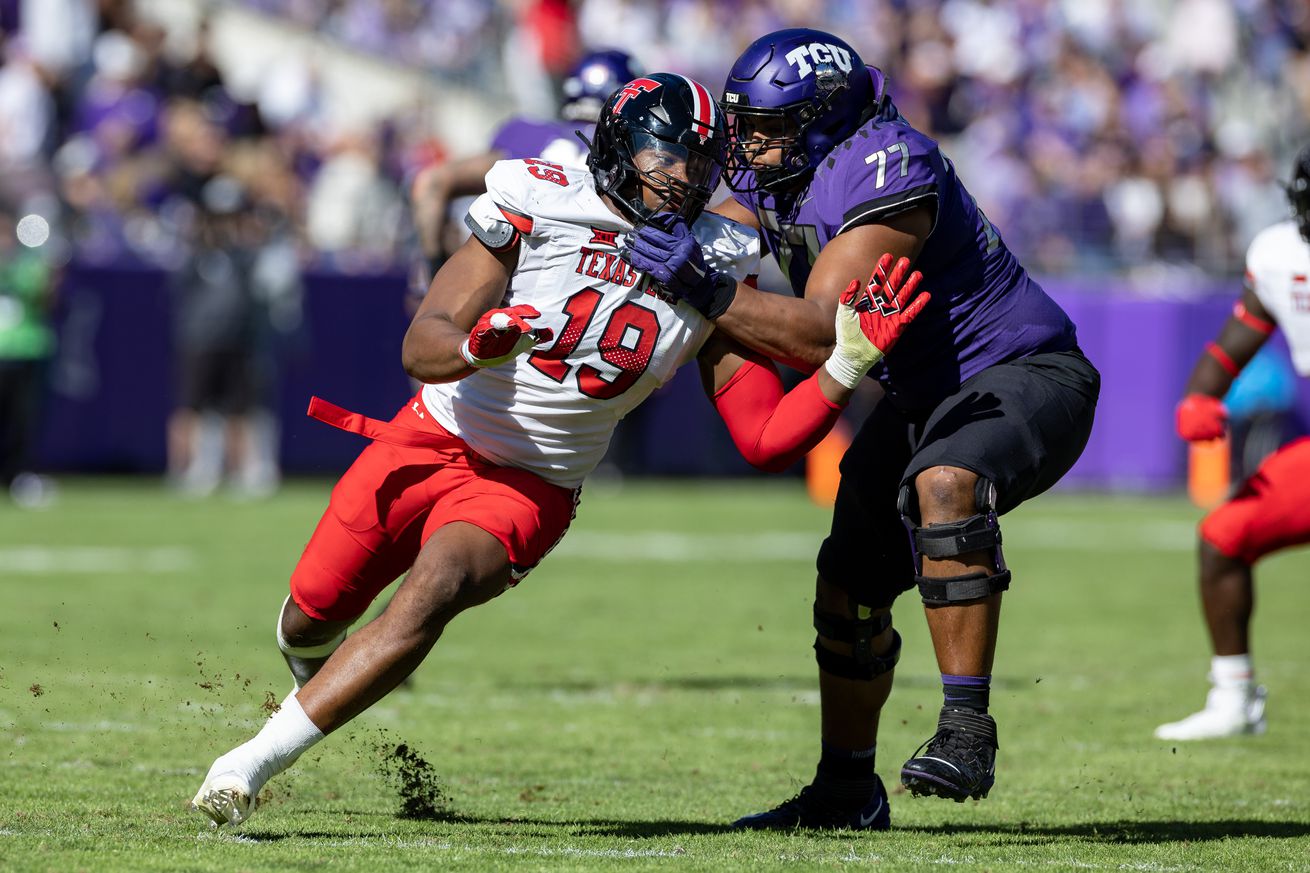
[725, 291]
[1222, 358]
[1255, 322]
[467, 355]
[846, 372]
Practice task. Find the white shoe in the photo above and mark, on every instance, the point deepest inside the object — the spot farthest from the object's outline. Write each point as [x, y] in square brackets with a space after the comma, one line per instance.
[1229, 712]
[228, 794]
[225, 798]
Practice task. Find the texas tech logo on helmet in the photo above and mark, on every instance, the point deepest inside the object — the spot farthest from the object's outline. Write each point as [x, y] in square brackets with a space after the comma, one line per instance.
[632, 89]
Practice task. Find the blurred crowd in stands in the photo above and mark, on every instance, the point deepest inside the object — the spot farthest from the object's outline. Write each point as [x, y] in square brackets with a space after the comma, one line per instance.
[1098, 135]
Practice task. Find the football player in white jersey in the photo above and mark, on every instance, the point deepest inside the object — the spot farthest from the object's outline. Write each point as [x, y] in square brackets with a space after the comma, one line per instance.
[590, 83]
[1271, 510]
[533, 341]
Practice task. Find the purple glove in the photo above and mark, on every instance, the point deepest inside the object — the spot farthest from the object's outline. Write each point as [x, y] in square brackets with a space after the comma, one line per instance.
[666, 249]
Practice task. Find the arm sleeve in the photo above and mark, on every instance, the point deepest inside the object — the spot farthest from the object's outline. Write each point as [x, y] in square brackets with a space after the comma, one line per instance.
[728, 247]
[773, 430]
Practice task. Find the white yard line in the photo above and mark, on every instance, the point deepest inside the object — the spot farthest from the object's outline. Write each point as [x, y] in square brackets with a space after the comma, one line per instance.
[676, 546]
[98, 727]
[657, 546]
[1036, 535]
[69, 560]
[900, 859]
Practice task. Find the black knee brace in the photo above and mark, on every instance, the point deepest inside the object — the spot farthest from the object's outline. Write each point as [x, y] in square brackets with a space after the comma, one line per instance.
[861, 663]
[972, 534]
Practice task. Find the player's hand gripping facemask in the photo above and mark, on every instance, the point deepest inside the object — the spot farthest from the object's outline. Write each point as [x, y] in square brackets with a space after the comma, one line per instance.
[666, 249]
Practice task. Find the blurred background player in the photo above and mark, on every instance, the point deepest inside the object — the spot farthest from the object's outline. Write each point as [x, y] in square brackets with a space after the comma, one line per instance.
[481, 474]
[27, 343]
[1270, 511]
[988, 402]
[236, 293]
[586, 88]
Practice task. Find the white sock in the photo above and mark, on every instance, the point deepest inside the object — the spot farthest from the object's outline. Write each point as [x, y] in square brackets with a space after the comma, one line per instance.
[283, 739]
[1232, 671]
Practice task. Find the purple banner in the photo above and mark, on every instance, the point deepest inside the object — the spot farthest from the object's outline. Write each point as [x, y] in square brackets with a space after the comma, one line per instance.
[113, 383]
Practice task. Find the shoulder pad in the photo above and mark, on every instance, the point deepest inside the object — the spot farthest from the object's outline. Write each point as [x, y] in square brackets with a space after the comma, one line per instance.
[880, 170]
[500, 216]
[1274, 247]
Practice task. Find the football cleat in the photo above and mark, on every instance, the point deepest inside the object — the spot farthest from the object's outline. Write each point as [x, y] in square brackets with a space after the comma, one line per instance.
[959, 760]
[1229, 712]
[809, 809]
[225, 798]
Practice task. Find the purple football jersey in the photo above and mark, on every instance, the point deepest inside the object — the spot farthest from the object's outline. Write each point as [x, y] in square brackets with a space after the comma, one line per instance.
[985, 308]
[556, 141]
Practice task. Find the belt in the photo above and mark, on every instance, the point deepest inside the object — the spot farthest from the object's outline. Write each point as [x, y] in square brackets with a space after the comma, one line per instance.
[382, 431]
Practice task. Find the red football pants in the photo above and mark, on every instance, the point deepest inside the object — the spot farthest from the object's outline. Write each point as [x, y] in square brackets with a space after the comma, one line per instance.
[397, 494]
[1271, 511]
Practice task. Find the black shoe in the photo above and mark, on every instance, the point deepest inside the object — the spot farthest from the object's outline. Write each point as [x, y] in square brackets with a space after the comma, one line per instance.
[960, 759]
[809, 810]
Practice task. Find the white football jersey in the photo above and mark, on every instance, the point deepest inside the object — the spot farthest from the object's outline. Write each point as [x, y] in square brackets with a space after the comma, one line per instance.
[1278, 269]
[552, 411]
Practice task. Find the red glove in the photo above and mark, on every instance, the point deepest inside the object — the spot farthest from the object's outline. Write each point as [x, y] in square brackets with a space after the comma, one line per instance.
[503, 334]
[870, 318]
[1201, 417]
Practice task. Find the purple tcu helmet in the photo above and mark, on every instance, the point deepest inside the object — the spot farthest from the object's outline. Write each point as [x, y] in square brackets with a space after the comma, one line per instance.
[800, 90]
[593, 80]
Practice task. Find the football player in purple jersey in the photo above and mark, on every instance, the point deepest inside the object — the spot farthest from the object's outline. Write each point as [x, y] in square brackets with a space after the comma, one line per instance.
[988, 400]
[587, 87]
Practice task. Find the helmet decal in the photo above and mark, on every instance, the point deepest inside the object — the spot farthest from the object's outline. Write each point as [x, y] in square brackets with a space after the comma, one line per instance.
[819, 53]
[632, 89]
[703, 109]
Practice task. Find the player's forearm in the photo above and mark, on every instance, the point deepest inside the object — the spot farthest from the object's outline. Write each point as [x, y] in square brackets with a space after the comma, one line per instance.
[432, 192]
[1208, 377]
[795, 331]
[431, 351]
[430, 196]
[773, 430]
[1224, 358]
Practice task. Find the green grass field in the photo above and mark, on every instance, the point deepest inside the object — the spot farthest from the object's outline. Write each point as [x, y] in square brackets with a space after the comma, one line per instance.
[650, 683]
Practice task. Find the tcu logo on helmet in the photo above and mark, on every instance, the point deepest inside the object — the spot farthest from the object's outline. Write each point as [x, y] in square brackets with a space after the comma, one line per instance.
[632, 89]
[820, 53]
